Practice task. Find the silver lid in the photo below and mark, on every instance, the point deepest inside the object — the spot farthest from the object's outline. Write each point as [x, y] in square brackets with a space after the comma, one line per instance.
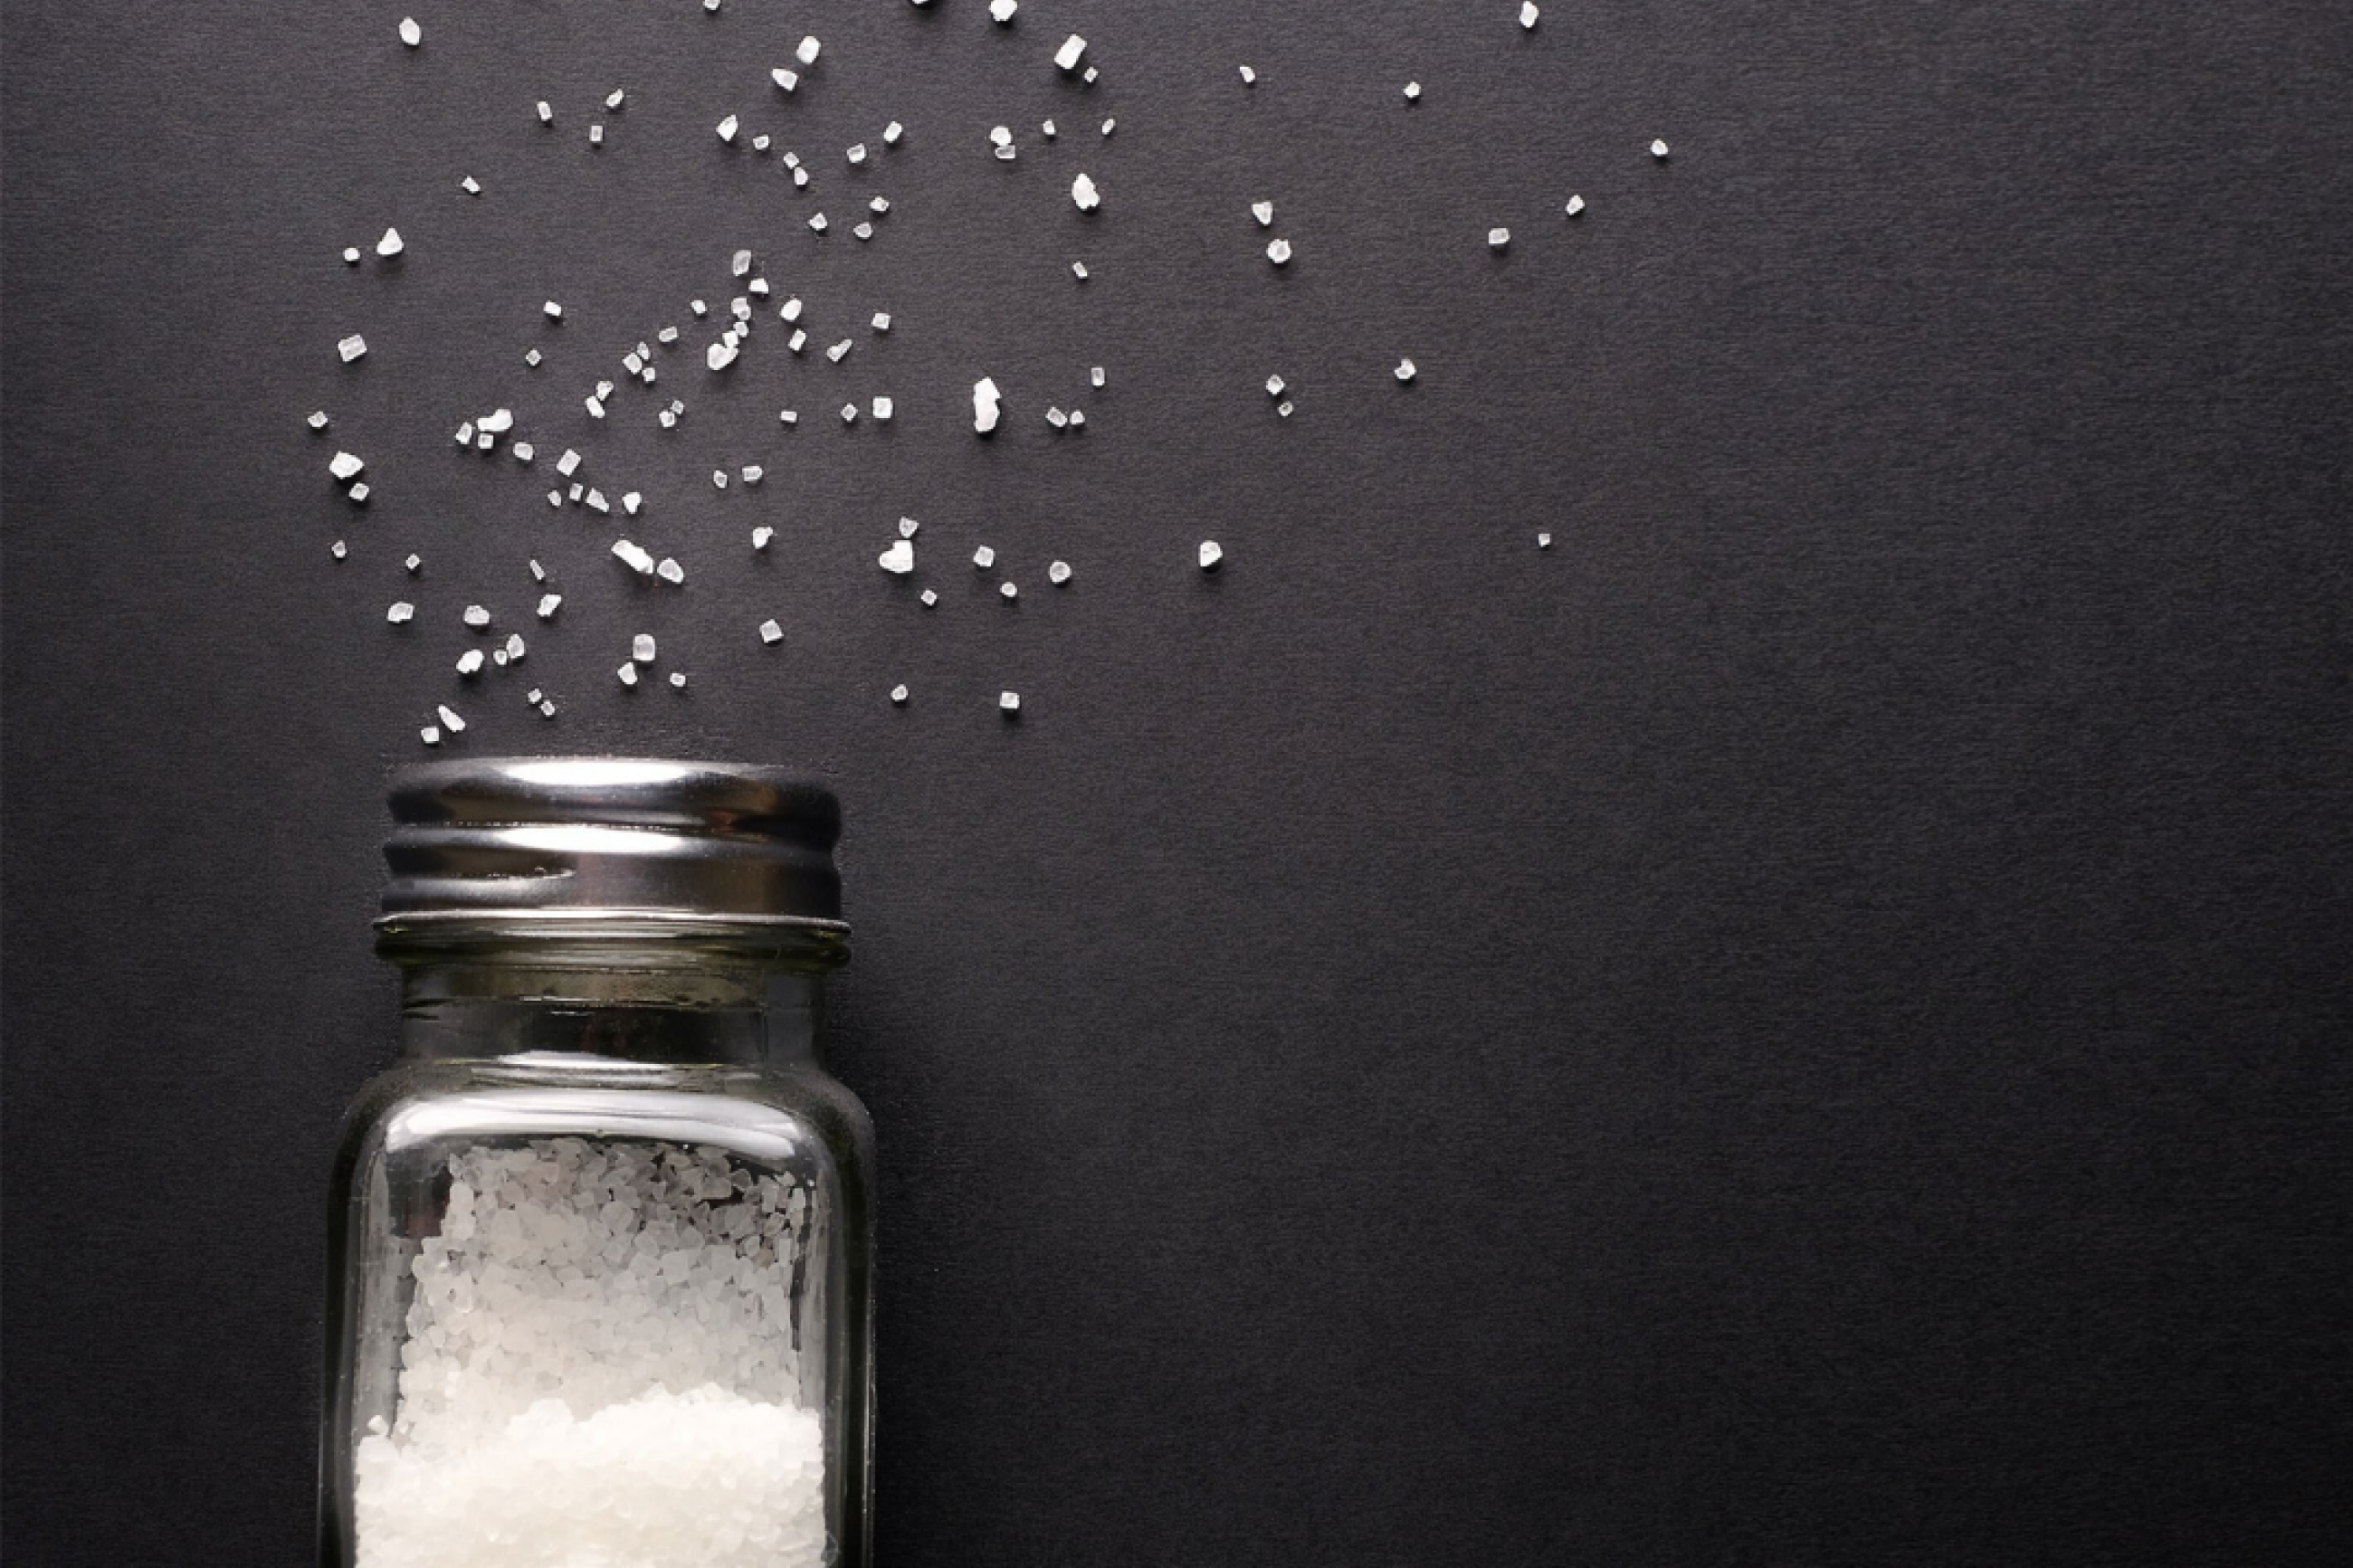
[576, 837]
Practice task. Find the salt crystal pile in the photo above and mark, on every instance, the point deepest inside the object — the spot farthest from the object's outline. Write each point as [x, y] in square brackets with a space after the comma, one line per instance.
[601, 1368]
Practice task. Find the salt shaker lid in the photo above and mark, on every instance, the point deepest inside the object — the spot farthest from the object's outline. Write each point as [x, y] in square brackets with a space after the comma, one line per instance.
[564, 837]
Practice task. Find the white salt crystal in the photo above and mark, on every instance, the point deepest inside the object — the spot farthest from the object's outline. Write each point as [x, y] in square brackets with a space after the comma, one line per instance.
[1095, 376]
[816, 222]
[984, 405]
[1059, 572]
[891, 132]
[849, 413]
[548, 605]
[391, 244]
[1528, 13]
[413, 564]
[670, 572]
[720, 355]
[547, 114]
[1498, 238]
[1057, 418]
[881, 321]
[1210, 554]
[343, 465]
[410, 33]
[596, 135]
[678, 679]
[753, 473]
[471, 661]
[1405, 370]
[930, 598]
[1263, 212]
[358, 493]
[316, 420]
[726, 128]
[1008, 590]
[884, 408]
[760, 537]
[401, 614]
[899, 694]
[477, 616]
[1544, 542]
[567, 464]
[1079, 271]
[338, 550]
[1001, 136]
[613, 100]
[1274, 387]
[627, 675]
[350, 256]
[1278, 251]
[641, 648]
[352, 348]
[1658, 151]
[1249, 77]
[553, 311]
[449, 719]
[636, 557]
[1008, 702]
[431, 737]
[857, 155]
[1073, 49]
[838, 350]
[770, 632]
[1084, 193]
[1576, 206]
[808, 52]
[784, 80]
[1413, 92]
[984, 558]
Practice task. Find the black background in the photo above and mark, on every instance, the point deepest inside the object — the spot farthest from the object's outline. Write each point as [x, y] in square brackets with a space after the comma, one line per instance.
[1806, 1024]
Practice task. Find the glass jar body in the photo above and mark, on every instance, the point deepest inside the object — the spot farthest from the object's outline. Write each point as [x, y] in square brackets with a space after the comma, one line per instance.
[601, 1251]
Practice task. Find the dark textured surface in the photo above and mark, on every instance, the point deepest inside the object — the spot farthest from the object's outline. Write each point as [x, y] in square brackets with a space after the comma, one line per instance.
[1807, 1023]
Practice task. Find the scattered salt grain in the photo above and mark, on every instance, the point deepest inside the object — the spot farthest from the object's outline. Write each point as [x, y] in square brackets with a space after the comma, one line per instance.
[899, 694]
[344, 466]
[1084, 193]
[1413, 92]
[547, 114]
[352, 348]
[839, 351]
[881, 321]
[678, 680]
[984, 558]
[857, 155]
[849, 413]
[1249, 77]
[816, 222]
[882, 408]
[1658, 151]
[760, 537]
[553, 310]
[1263, 212]
[720, 355]
[430, 735]
[1544, 542]
[1079, 271]
[1095, 376]
[350, 256]
[390, 245]
[1528, 13]
[471, 661]
[1008, 702]
[726, 128]
[930, 598]
[634, 557]
[898, 559]
[470, 185]
[808, 52]
[1008, 592]
[1405, 369]
[1279, 251]
[449, 719]
[476, 616]
[410, 33]
[1059, 572]
[338, 550]
[984, 405]
[891, 132]
[1497, 238]
[1074, 50]
[596, 135]
[670, 572]
[771, 633]
[1274, 384]
[1576, 206]
[1210, 554]
[548, 605]
[641, 648]
[413, 564]
[401, 614]
[627, 675]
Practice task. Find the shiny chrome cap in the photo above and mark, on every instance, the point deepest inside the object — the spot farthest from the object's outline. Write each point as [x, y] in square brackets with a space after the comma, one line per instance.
[577, 838]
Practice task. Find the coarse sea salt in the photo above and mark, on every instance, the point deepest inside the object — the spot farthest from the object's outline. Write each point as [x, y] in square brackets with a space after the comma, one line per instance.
[601, 1366]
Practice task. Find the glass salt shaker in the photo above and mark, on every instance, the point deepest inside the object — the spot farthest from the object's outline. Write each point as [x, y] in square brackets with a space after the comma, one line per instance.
[601, 1242]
